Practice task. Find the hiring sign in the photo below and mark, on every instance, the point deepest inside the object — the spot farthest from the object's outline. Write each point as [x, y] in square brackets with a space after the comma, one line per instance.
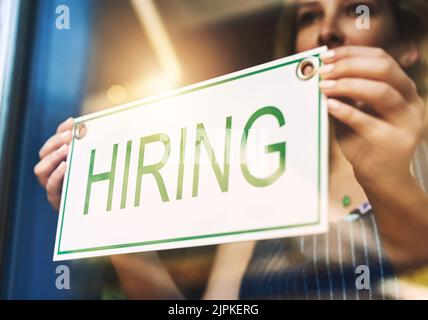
[239, 157]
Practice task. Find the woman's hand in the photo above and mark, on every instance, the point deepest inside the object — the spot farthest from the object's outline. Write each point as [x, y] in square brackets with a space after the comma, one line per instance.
[51, 168]
[385, 121]
[379, 131]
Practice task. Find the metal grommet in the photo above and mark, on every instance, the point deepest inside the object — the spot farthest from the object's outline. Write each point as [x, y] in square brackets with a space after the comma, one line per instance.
[81, 131]
[312, 63]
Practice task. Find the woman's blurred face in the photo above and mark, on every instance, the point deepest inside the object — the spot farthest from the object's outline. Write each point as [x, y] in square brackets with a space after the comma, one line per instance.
[333, 23]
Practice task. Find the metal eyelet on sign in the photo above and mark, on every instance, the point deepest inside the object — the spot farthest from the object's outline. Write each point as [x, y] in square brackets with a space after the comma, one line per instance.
[309, 62]
[81, 131]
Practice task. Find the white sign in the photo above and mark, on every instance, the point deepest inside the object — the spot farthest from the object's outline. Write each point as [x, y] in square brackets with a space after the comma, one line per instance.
[239, 157]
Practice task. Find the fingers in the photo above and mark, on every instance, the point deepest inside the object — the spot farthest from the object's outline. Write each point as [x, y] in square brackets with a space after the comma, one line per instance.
[352, 51]
[55, 142]
[51, 168]
[383, 98]
[369, 127]
[49, 163]
[66, 125]
[63, 136]
[379, 69]
[54, 184]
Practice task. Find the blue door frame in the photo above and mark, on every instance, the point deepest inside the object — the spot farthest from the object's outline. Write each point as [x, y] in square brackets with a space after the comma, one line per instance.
[55, 89]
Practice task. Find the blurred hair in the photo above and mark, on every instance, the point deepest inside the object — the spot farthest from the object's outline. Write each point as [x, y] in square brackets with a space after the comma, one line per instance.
[411, 17]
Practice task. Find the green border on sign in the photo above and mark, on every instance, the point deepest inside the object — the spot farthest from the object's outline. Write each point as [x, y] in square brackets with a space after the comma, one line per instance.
[232, 78]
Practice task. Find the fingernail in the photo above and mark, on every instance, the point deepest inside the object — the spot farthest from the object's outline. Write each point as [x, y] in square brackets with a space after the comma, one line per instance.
[333, 104]
[326, 68]
[66, 134]
[62, 148]
[327, 84]
[63, 164]
[328, 55]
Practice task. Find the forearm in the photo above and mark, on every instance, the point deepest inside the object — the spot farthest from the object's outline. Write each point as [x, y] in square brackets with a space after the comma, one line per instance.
[143, 276]
[401, 211]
